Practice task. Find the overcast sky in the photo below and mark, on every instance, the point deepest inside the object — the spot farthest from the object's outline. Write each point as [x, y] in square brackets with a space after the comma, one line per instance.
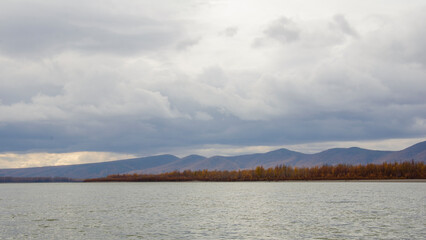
[86, 81]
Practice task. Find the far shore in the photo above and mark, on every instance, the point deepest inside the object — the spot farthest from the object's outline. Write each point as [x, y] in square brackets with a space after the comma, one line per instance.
[365, 180]
[337, 180]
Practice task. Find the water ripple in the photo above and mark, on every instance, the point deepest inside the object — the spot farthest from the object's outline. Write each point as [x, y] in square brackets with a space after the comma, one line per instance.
[197, 210]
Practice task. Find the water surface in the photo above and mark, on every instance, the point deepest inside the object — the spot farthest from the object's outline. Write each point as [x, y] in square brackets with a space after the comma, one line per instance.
[209, 210]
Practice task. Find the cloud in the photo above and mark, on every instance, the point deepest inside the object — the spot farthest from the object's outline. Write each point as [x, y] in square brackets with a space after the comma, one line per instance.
[230, 31]
[78, 94]
[41, 30]
[283, 30]
[187, 43]
[340, 22]
[143, 78]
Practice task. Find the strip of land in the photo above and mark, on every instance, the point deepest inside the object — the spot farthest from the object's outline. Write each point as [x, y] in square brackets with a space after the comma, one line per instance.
[36, 179]
[385, 171]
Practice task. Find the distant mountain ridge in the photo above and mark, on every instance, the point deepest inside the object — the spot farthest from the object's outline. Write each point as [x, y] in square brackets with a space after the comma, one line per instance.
[167, 163]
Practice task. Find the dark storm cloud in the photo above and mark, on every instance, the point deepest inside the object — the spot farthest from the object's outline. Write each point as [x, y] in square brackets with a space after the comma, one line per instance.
[156, 136]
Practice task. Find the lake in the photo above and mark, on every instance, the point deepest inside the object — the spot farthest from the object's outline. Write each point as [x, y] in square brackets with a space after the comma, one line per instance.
[214, 210]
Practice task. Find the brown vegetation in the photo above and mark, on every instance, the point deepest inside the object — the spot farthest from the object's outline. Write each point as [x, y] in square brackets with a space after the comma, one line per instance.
[404, 170]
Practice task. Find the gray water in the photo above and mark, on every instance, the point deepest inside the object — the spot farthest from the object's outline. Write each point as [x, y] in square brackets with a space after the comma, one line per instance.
[206, 210]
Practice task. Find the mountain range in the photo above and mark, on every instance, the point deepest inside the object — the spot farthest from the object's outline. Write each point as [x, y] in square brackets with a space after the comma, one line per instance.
[167, 163]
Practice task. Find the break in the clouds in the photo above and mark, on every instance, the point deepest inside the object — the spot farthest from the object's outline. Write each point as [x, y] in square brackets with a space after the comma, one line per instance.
[146, 77]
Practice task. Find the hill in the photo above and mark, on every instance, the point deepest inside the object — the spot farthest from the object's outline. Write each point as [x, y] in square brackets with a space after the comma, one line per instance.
[90, 170]
[167, 163]
[416, 152]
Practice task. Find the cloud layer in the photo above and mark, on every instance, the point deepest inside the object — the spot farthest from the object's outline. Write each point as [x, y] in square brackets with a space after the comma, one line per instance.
[143, 77]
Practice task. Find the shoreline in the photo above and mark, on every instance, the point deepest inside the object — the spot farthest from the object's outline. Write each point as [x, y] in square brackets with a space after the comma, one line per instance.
[337, 180]
[340, 180]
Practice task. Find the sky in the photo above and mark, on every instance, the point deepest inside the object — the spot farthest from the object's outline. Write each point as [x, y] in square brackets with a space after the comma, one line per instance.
[90, 81]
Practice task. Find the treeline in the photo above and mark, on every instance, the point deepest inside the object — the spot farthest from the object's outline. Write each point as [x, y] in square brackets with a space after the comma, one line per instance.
[35, 179]
[404, 170]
